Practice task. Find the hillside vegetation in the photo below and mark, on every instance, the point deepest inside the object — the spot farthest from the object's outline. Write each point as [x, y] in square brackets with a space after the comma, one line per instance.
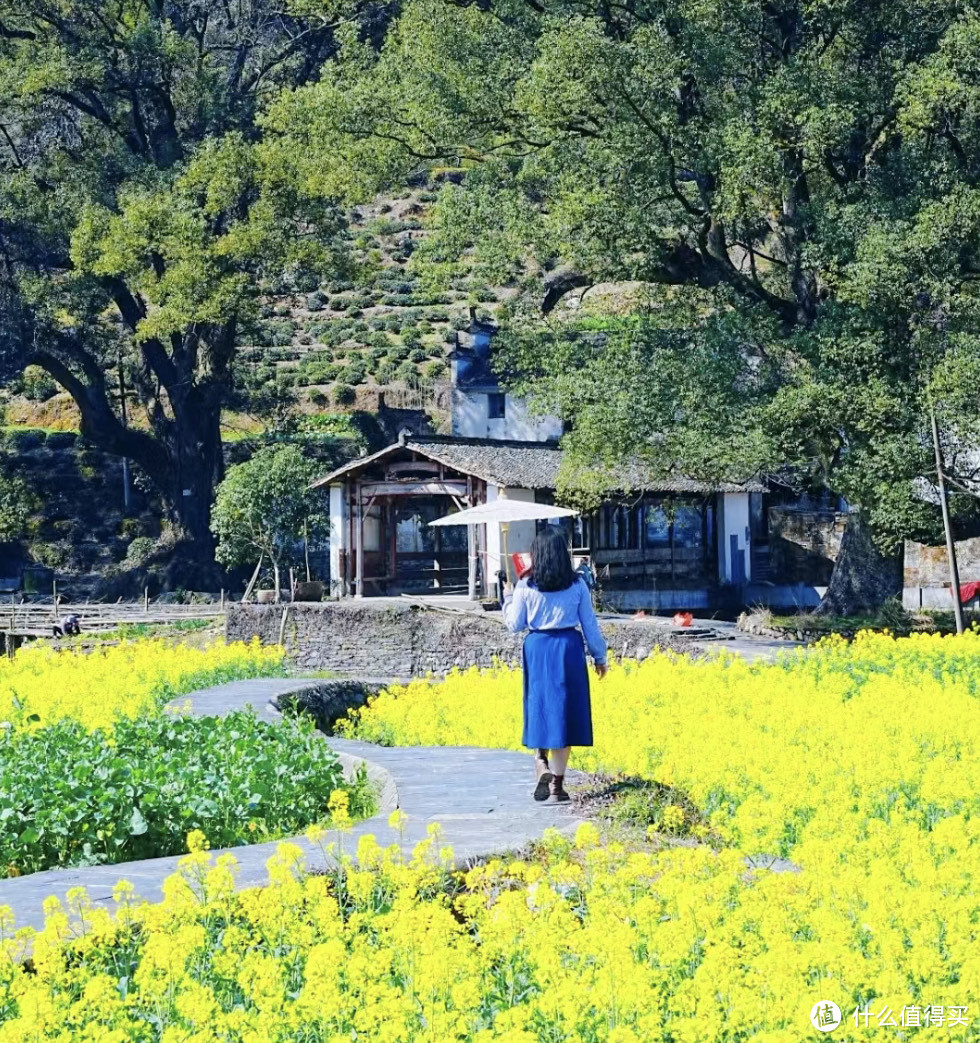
[332, 346]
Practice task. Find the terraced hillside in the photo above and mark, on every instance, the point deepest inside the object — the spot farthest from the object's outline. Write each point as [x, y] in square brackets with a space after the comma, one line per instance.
[338, 345]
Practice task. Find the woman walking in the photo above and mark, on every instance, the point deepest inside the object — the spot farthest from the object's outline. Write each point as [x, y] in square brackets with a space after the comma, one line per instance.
[552, 602]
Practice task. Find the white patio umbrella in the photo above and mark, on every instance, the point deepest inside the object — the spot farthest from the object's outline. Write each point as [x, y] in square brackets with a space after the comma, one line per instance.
[502, 512]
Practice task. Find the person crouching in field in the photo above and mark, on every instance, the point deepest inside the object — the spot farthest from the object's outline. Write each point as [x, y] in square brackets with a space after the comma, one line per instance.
[67, 626]
[553, 603]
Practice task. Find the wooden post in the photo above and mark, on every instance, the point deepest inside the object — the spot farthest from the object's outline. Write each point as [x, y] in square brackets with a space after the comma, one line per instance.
[146, 601]
[359, 535]
[392, 515]
[292, 586]
[349, 549]
[954, 572]
[470, 545]
[54, 600]
[254, 579]
[222, 599]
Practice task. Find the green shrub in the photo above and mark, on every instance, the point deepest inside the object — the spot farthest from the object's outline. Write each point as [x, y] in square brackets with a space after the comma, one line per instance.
[354, 374]
[23, 439]
[139, 550]
[316, 301]
[61, 439]
[138, 790]
[37, 384]
[344, 395]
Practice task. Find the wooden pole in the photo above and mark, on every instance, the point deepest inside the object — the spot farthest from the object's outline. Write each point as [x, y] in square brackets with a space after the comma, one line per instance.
[146, 600]
[306, 550]
[254, 579]
[54, 600]
[954, 572]
[359, 535]
[470, 545]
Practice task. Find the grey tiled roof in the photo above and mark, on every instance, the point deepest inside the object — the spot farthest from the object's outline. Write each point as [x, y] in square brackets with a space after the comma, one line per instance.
[528, 465]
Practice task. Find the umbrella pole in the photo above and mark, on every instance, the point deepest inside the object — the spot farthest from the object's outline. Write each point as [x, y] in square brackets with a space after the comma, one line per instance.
[505, 528]
[471, 555]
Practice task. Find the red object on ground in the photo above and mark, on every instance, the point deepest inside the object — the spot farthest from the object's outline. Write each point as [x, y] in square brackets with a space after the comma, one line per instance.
[968, 591]
[522, 563]
[683, 619]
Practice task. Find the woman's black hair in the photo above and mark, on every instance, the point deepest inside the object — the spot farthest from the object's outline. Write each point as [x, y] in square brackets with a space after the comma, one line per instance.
[551, 564]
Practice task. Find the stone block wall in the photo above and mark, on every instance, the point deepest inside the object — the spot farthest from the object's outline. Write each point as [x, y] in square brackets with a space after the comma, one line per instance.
[384, 640]
[927, 573]
[803, 545]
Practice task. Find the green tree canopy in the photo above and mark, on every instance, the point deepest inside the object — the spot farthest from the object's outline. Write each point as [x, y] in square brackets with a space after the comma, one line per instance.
[265, 508]
[141, 208]
[796, 185]
[18, 503]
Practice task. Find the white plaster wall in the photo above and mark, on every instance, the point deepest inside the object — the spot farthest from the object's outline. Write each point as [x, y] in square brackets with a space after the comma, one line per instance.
[733, 520]
[338, 533]
[471, 419]
[520, 535]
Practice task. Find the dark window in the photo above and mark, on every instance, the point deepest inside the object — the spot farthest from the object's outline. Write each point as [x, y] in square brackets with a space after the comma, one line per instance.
[688, 527]
[657, 527]
[496, 406]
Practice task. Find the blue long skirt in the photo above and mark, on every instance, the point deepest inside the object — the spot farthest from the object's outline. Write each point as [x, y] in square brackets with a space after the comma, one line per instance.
[557, 707]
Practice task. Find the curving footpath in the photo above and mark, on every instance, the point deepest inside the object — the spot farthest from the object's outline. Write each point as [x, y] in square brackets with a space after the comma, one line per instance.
[481, 798]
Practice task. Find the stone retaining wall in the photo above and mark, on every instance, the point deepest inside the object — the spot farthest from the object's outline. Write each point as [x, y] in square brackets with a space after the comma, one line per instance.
[392, 640]
[328, 701]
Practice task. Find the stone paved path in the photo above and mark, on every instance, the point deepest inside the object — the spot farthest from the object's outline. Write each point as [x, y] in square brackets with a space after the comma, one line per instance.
[481, 798]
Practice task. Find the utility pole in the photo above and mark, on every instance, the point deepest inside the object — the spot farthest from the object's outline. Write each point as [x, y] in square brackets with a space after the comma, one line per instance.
[954, 572]
[122, 407]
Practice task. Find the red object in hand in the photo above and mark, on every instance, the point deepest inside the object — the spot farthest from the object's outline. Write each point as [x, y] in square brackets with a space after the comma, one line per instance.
[683, 619]
[522, 563]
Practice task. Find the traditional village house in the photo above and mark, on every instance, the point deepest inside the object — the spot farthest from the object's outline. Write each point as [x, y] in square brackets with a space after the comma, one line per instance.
[656, 543]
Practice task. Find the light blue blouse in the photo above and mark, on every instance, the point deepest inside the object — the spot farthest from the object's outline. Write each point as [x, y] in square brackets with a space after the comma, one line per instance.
[530, 608]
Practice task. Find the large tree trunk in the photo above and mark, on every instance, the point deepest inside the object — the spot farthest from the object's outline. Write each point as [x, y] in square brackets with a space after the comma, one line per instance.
[181, 455]
[196, 467]
[864, 578]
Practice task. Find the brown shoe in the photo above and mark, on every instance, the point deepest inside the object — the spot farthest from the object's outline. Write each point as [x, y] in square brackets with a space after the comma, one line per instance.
[541, 790]
[556, 791]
